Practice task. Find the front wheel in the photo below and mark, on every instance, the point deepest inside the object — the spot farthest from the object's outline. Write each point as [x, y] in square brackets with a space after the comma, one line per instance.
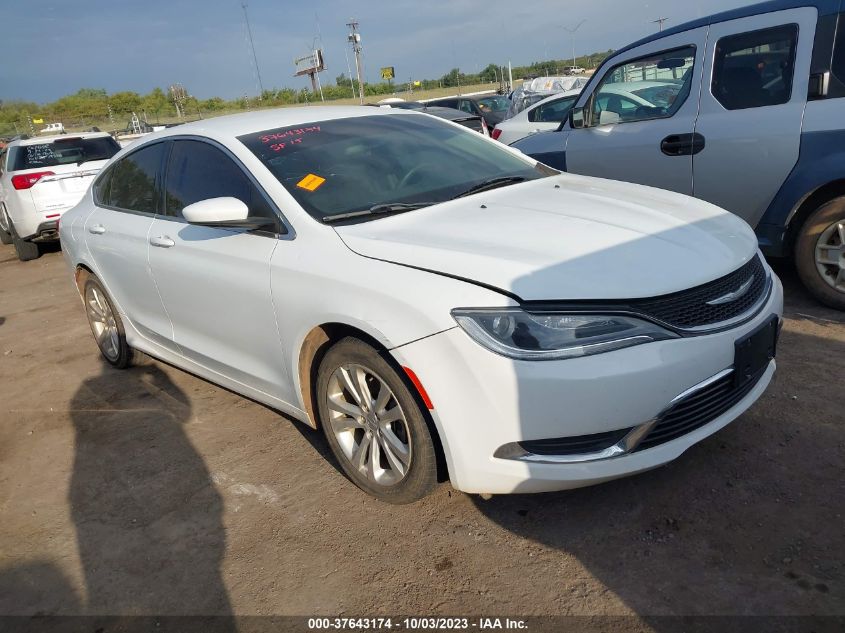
[374, 425]
[820, 253]
[106, 325]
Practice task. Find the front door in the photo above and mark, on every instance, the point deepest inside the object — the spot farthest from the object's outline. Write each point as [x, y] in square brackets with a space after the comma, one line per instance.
[752, 110]
[215, 282]
[643, 110]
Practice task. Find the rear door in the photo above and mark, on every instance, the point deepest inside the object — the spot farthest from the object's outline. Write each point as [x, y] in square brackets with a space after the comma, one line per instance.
[752, 108]
[126, 198]
[639, 134]
[215, 282]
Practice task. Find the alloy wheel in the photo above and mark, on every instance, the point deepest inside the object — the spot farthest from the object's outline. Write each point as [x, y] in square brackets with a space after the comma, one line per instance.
[830, 255]
[369, 424]
[102, 321]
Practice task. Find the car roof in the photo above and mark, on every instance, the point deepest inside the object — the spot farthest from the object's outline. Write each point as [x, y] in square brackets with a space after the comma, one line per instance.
[486, 95]
[234, 125]
[40, 140]
[566, 93]
[825, 7]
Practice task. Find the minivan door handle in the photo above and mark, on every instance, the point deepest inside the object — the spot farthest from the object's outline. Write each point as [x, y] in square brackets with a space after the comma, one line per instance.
[97, 229]
[682, 144]
[162, 241]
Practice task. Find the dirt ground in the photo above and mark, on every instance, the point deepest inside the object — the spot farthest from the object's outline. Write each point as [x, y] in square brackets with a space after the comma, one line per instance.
[150, 491]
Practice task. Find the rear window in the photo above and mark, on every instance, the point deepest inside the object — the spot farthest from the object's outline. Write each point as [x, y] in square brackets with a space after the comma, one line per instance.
[63, 151]
[496, 104]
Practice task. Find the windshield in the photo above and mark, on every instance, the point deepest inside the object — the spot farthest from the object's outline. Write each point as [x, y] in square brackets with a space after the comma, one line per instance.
[64, 151]
[496, 104]
[344, 165]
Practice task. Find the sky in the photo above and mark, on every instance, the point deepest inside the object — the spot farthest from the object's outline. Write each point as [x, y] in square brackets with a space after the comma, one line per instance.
[62, 45]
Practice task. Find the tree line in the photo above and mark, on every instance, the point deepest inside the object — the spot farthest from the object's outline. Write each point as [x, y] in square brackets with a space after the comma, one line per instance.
[92, 106]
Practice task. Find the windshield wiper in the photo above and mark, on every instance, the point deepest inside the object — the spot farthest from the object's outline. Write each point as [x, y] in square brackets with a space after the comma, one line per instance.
[388, 208]
[493, 183]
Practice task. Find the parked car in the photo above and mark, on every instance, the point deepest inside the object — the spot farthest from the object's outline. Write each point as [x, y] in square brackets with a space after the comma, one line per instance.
[543, 116]
[491, 107]
[754, 128]
[40, 179]
[574, 70]
[535, 90]
[430, 298]
[460, 117]
[53, 128]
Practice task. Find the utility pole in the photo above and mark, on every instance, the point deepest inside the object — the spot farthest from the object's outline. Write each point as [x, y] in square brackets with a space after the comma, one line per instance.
[354, 38]
[659, 22]
[252, 46]
[571, 32]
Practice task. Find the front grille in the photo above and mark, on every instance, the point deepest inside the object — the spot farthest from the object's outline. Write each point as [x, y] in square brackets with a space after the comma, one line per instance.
[575, 445]
[689, 309]
[697, 409]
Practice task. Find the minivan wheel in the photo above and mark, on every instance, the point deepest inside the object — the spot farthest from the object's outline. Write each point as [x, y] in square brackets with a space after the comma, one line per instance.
[106, 325]
[25, 251]
[820, 253]
[374, 424]
[5, 223]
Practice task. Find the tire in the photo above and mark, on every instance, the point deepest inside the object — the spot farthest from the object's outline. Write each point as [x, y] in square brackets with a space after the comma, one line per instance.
[5, 235]
[820, 253]
[106, 325]
[26, 251]
[384, 446]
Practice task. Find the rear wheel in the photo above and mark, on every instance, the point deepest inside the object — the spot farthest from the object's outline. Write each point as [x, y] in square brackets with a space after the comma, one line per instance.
[5, 224]
[25, 250]
[374, 425]
[106, 325]
[820, 253]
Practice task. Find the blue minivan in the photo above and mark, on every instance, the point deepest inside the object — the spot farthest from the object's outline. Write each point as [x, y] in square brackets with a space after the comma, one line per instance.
[743, 109]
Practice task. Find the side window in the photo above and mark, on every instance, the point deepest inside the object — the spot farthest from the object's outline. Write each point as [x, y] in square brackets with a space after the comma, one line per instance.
[552, 112]
[133, 180]
[652, 87]
[102, 187]
[198, 171]
[466, 106]
[838, 65]
[755, 69]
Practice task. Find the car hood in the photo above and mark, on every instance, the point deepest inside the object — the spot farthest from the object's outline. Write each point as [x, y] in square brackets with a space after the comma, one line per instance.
[565, 237]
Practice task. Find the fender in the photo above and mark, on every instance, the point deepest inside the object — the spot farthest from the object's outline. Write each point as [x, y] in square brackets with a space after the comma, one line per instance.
[821, 161]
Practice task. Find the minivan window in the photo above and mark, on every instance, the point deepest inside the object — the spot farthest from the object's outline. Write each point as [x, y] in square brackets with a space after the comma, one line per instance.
[652, 87]
[198, 171]
[133, 180]
[64, 151]
[755, 69]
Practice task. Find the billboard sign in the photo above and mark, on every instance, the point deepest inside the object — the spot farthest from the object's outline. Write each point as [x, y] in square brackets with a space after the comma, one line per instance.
[388, 73]
[310, 64]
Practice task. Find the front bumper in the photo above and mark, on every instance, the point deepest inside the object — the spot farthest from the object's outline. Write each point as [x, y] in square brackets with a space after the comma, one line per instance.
[483, 402]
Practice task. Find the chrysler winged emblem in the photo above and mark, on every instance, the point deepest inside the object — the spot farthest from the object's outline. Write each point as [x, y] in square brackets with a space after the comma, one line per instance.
[733, 296]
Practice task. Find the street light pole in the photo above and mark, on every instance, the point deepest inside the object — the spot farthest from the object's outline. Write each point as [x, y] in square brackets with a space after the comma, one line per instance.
[572, 33]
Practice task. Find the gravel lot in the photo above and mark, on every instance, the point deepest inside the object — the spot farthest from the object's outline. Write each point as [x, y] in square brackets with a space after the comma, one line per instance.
[150, 491]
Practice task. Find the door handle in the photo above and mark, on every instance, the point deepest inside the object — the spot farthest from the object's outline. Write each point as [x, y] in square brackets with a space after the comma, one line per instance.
[97, 229]
[162, 241]
[682, 144]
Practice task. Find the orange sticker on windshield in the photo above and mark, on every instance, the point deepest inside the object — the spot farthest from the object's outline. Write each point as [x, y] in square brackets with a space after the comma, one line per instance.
[311, 182]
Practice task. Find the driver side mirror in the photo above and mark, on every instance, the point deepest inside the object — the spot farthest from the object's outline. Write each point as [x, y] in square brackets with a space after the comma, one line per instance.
[223, 212]
[578, 118]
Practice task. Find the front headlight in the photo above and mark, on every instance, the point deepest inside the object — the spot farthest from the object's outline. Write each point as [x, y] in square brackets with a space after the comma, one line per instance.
[514, 333]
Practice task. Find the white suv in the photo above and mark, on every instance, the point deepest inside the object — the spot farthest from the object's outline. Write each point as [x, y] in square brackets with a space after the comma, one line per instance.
[40, 179]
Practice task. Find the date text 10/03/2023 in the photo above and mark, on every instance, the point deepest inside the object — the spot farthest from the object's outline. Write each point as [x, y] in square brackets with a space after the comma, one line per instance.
[416, 624]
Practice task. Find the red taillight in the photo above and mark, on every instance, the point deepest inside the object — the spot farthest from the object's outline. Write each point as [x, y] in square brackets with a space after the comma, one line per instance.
[496, 133]
[25, 181]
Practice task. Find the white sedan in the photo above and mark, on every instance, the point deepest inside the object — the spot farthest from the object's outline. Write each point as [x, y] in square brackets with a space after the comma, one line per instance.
[543, 116]
[441, 306]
